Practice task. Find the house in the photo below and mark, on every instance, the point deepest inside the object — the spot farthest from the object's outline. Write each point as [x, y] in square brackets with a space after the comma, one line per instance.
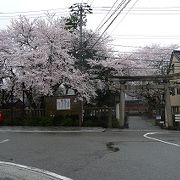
[174, 67]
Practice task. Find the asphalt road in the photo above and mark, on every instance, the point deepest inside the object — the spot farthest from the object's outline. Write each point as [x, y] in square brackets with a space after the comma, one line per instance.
[109, 155]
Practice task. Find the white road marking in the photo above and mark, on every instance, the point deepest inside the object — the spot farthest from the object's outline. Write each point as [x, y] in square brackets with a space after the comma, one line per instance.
[51, 174]
[159, 140]
[6, 140]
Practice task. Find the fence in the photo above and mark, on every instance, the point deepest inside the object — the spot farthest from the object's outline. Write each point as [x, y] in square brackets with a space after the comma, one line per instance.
[99, 116]
[17, 116]
[35, 113]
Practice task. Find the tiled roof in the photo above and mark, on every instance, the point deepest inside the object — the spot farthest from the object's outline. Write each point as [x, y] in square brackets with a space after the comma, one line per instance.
[177, 54]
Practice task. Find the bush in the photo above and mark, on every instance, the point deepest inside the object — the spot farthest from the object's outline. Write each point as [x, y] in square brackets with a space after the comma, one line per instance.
[32, 121]
[91, 121]
[14, 122]
[115, 123]
[44, 121]
[38, 121]
[68, 120]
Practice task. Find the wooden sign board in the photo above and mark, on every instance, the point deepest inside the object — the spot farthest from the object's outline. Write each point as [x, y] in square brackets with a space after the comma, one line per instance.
[63, 105]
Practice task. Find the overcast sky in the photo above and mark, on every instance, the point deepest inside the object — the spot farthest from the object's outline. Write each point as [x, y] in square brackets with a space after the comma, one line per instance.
[149, 21]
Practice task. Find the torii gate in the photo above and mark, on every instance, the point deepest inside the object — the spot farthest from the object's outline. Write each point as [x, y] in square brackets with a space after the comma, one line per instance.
[120, 107]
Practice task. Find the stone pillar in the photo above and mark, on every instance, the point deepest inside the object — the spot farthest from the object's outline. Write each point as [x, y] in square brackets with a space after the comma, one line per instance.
[117, 111]
[110, 118]
[168, 112]
[122, 106]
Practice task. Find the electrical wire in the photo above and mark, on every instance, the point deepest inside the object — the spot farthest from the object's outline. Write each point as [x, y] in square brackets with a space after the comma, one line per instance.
[100, 26]
[174, 9]
[126, 3]
[35, 11]
[91, 2]
[120, 45]
[125, 15]
[40, 13]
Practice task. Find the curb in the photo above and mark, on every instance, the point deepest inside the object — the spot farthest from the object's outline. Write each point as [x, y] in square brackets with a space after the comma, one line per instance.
[31, 170]
[50, 130]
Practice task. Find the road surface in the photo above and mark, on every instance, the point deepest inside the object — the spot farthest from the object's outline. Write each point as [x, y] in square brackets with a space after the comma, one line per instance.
[141, 152]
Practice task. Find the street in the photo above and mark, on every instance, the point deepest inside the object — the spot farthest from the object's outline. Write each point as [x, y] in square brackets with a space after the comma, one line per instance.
[113, 154]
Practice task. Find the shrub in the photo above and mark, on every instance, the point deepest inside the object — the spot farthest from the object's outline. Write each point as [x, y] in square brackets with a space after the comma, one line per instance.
[68, 120]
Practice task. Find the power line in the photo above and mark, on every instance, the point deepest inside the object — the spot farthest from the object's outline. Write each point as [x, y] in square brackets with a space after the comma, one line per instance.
[160, 14]
[106, 8]
[136, 59]
[8, 16]
[141, 10]
[120, 45]
[33, 15]
[35, 11]
[113, 13]
[130, 52]
[135, 35]
[143, 7]
[112, 21]
[125, 16]
[91, 2]
[178, 37]
[100, 26]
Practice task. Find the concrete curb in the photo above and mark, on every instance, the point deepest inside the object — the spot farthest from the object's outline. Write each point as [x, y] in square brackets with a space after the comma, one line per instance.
[17, 171]
[22, 129]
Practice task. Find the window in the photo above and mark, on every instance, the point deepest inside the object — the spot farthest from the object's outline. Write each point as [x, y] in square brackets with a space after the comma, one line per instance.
[178, 90]
[172, 68]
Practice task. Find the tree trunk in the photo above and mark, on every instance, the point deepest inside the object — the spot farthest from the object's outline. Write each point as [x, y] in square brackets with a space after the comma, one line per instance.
[30, 99]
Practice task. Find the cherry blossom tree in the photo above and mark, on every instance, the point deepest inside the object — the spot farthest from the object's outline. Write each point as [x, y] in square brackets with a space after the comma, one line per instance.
[148, 60]
[37, 58]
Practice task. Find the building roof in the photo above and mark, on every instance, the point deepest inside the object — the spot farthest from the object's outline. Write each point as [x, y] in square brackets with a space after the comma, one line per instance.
[177, 54]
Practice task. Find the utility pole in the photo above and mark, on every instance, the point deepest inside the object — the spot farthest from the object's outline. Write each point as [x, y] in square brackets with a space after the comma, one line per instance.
[80, 31]
[80, 10]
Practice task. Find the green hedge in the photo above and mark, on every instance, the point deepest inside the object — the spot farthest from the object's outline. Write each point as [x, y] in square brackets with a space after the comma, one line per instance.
[43, 121]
